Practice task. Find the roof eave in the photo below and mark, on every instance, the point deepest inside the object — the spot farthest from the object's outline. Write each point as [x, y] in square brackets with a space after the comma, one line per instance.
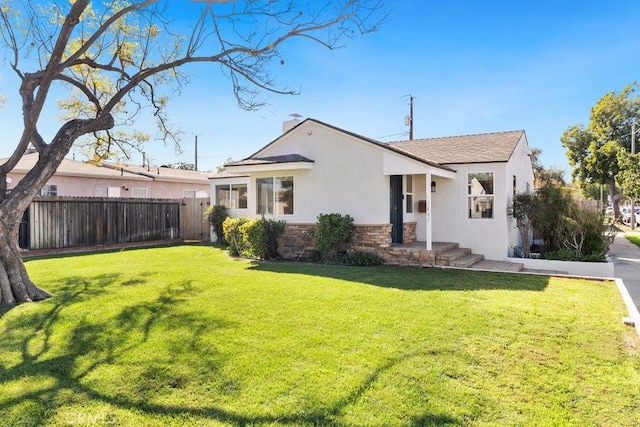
[265, 167]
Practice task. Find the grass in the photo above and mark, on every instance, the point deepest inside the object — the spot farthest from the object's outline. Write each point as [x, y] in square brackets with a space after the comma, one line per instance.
[633, 238]
[186, 336]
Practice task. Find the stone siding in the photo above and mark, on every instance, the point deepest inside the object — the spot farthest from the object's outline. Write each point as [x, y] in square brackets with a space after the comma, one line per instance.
[410, 233]
[298, 241]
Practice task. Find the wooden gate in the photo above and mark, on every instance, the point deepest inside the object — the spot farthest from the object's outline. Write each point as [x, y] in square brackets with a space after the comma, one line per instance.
[193, 224]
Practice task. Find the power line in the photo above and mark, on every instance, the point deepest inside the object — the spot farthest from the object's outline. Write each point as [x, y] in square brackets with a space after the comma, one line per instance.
[403, 133]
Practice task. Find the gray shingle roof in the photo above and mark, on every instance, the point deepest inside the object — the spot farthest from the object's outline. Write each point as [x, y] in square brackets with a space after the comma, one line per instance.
[287, 158]
[480, 148]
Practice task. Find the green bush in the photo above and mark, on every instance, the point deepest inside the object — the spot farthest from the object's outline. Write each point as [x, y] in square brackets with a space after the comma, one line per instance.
[261, 237]
[332, 229]
[216, 214]
[361, 259]
[254, 238]
[233, 236]
[561, 255]
[586, 233]
[571, 232]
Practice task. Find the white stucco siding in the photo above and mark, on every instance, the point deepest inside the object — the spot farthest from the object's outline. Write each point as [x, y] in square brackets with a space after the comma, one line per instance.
[451, 222]
[346, 178]
[519, 165]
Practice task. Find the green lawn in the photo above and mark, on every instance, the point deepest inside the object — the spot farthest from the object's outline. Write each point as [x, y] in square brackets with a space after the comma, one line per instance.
[186, 336]
[633, 238]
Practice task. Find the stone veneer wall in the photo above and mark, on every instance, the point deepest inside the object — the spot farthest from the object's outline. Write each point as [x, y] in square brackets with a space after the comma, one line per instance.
[410, 233]
[298, 241]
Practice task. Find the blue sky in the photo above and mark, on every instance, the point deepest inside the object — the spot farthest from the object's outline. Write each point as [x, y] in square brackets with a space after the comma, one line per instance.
[472, 66]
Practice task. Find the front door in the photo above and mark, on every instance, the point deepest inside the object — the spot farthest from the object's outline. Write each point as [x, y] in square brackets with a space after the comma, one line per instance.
[397, 232]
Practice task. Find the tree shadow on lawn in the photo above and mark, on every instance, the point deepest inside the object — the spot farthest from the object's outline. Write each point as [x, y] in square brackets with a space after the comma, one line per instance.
[411, 278]
[51, 374]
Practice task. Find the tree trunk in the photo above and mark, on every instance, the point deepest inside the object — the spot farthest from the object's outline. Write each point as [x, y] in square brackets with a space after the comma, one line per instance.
[612, 197]
[15, 285]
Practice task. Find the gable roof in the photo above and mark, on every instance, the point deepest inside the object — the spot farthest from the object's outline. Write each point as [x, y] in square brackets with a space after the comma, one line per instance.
[256, 156]
[479, 148]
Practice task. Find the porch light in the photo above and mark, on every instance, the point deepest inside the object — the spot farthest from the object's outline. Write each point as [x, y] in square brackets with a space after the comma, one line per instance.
[433, 186]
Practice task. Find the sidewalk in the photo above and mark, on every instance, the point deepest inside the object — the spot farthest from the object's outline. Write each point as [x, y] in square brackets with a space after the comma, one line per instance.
[626, 260]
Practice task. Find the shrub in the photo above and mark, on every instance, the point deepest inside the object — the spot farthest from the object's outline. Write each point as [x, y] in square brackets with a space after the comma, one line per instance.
[216, 214]
[361, 259]
[571, 232]
[261, 237]
[233, 236]
[332, 229]
[585, 233]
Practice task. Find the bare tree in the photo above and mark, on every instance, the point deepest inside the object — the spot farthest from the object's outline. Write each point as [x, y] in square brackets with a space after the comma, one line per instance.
[112, 59]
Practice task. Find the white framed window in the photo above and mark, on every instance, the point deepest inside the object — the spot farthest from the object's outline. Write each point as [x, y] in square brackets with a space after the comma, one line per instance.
[408, 193]
[480, 194]
[140, 193]
[103, 191]
[232, 196]
[49, 190]
[274, 195]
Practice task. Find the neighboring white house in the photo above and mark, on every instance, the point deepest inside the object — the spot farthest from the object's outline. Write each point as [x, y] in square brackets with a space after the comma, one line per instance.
[453, 189]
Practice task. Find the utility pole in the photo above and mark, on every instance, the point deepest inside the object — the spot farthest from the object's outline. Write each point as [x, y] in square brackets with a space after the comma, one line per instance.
[196, 159]
[408, 120]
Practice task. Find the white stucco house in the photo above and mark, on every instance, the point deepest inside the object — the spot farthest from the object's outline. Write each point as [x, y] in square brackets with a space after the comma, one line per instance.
[409, 194]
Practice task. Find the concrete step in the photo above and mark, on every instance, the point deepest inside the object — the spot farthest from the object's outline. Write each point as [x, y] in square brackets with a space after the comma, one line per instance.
[440, 248]
[467, 261]
[453, 255]
[510, 267]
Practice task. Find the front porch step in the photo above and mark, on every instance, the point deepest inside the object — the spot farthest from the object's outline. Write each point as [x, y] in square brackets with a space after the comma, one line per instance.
[506, 266]
[467, 261]
[450, 256]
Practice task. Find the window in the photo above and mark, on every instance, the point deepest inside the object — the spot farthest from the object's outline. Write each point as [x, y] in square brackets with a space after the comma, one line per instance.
[274, 196]
[409, 193]
[515, 187]
[480, 195]
[107, 191]
[49, 190]
[139, 193]
[232, 196]
[189, 194]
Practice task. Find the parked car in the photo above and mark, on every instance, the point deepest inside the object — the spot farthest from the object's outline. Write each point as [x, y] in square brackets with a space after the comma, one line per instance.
[608, 210]
[625, 213]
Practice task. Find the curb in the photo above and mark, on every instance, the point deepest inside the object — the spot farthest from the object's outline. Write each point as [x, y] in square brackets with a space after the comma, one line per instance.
[631, 307]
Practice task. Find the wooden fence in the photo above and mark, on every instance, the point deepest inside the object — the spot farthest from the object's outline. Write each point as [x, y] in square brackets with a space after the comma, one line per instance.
[60, 222]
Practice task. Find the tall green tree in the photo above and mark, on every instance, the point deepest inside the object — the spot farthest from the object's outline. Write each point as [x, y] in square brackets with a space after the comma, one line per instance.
[592, 150]
[545, 175]
[113, 58]
[629, 175]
